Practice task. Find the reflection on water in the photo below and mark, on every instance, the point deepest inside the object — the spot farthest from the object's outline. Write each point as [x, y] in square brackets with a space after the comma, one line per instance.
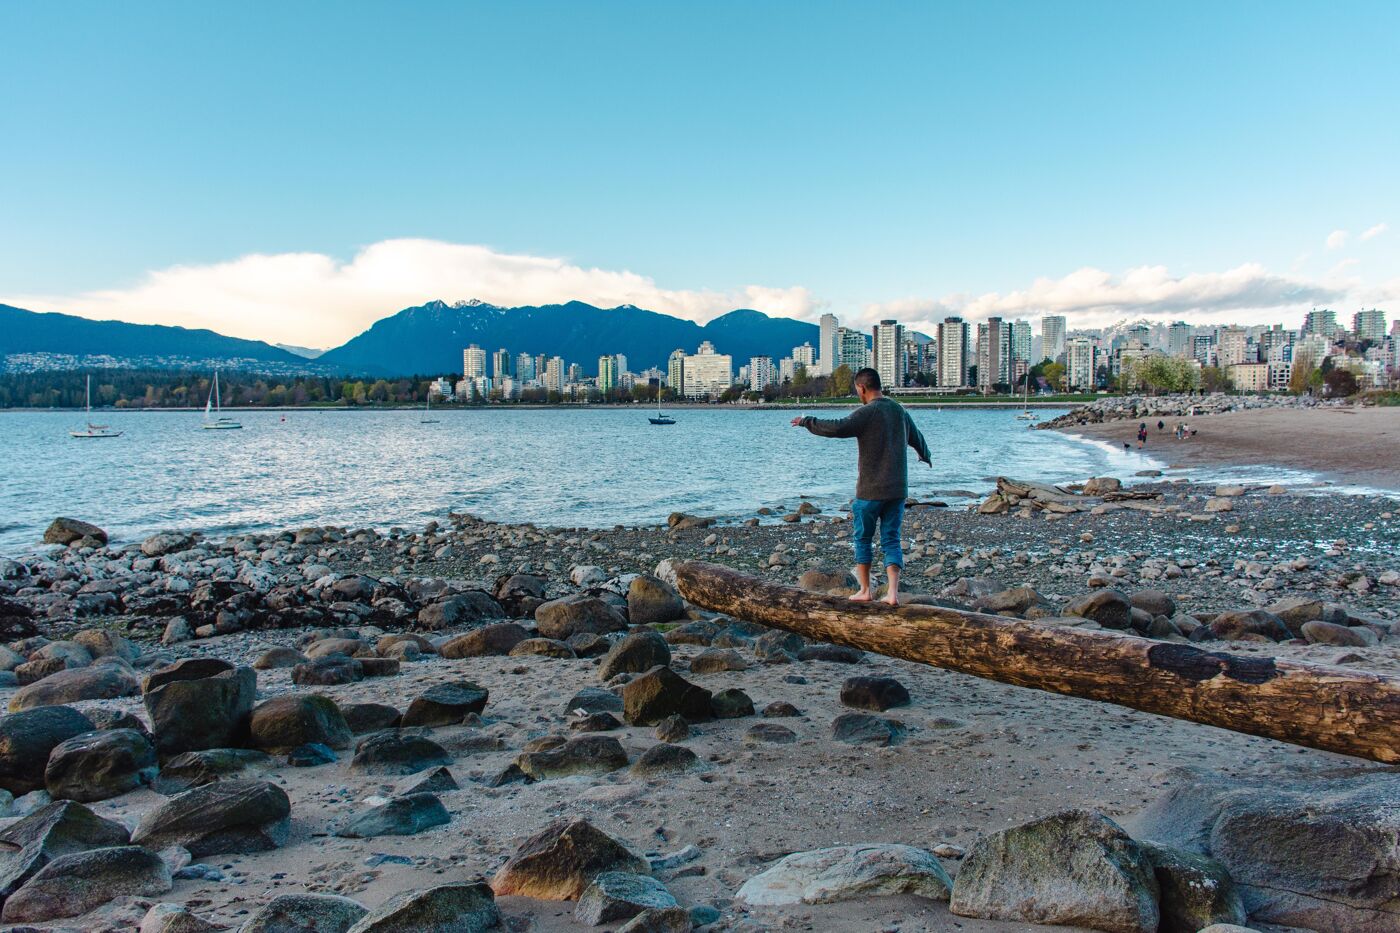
[592, 468]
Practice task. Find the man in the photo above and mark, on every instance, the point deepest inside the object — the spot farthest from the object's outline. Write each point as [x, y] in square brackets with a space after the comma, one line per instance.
[882, 429]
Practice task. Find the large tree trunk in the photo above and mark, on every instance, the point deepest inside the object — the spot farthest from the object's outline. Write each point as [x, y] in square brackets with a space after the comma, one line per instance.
[1351, 712]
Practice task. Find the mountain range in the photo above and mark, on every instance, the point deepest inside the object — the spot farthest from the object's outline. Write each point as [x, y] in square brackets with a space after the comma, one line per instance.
[421, 340]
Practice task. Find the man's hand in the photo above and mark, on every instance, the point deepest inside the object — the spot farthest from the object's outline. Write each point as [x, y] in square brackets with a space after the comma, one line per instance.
[797, 422]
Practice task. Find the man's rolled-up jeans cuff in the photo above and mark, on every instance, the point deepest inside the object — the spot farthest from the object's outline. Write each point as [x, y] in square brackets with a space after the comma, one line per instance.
[865, 552]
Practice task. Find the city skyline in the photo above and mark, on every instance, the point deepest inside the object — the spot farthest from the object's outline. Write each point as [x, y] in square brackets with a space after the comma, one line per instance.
[282, 203]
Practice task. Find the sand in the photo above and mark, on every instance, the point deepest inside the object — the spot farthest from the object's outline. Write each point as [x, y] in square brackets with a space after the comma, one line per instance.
[1353, 446]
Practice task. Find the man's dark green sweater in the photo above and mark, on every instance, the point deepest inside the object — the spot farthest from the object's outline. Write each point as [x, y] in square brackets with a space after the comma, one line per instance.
[882, 429]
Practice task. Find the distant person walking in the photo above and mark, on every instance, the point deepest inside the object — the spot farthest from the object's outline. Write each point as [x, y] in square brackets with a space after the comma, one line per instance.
[882, 429]
[1142, 435]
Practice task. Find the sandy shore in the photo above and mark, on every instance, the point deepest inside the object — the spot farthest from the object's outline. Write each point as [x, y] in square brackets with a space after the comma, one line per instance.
[1358, 446]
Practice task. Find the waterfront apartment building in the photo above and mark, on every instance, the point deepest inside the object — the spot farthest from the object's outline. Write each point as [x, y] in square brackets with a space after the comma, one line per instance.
[888, 352]
[852, 349]
[707, 374]
[1203, 349]
[1276, 344]
[1179, 339]
[805, 355]
[761, 373]
[1052, 336]
[500, 363]
[953, 361]
[993, 353]
[525, 369]
[1021, 344]
[1249, 377]
[1080, 364]
[1233, 347]
[607, 374]
[828, 347]
[1369, 325]
[675, 370]
[1322, 322]
[554, 374]
[473, 363]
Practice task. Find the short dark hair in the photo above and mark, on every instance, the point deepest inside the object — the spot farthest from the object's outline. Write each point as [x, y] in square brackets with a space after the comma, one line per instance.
[868, 378]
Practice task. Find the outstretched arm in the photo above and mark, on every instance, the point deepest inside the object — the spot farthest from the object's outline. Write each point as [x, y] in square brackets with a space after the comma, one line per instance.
[916, 440]
[848, 426]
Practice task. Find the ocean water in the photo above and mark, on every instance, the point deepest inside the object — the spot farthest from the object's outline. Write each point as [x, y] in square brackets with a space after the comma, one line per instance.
[554, 467]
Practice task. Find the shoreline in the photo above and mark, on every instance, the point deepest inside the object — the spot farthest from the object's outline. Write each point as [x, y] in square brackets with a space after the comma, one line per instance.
[1349, 446]
[979, 404]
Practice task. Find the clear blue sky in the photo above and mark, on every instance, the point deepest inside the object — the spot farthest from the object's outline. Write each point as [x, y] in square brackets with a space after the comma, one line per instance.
[865, 151]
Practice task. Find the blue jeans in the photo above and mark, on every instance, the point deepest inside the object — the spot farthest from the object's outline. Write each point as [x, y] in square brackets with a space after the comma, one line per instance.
[890, 514]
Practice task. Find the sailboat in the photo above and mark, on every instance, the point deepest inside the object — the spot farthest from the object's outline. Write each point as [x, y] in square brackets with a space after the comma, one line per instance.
[1027, 414]
[93, 430]
[428, 410]
[660, 418]
[212, 411]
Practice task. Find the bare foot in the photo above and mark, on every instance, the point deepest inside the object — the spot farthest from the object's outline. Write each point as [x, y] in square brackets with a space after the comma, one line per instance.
[892, 600]
[862, 597]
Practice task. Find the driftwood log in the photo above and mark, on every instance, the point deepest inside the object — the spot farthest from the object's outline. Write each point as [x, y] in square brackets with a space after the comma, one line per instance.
[1331, 708]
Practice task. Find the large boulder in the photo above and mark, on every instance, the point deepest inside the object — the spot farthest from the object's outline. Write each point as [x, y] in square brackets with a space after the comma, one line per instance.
[446, 704]
[399, 816]
[27, 738]
[282, 723]
[661, 692]
[228, 816]
[579, 613]
[98, 765]
[397, 753]
[586, 754]
[664, 759]
[873, 693]
[459, 609]
[101, 643]
[865, 729]
[305, 913]
[1108, 608]
[846, 872]
[618, 895]
[559, 862]
[74, 884]
[1243, 625]
[1075, 868]
[1318, 632]
[640, 651]
[650, 601]
[194, 769]
[1321, 854]
[458, 907]
[68, 530]
[1196, 890]
[495, 639]
[329, 671]
[200, 703]
[166, 542]
[51, 831]
[173, 918]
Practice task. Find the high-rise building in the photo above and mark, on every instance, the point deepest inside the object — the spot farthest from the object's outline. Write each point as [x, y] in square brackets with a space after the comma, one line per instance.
[541, 365]
[1276, 344]
[761, 373]
[993, 350]
[675, 371]
[1079, 364]
[1233, 347]
[1179, 339]
[852, 350]
[889, 359]
[707, 373]
[805, 355]
[1369, 325]
[1203, 349]
[554, 374]
[828, 347]
[953, 354]
[500, 363]
[787, 370]
[1320, 322]
[573, 373]
[621, 364]
[1052, 336]
[473, 362]
[607, 374]
[525, 368]
[1021, 343]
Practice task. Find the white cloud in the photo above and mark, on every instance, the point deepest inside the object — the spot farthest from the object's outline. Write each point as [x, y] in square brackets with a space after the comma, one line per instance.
[1094, 298]
[312, 299]
[1373, 232]
[1337, 239]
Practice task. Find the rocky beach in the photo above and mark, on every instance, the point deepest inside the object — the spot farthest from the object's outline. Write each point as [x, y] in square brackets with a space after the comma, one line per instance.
[527, 728]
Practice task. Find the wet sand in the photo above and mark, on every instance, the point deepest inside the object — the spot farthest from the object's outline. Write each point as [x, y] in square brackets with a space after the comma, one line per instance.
[1356, 446]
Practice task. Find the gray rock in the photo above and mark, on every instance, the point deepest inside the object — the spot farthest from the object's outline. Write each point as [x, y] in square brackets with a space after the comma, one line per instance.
[99, 682]
[559, 862]
[731, 703]
[593, 700]
[27, 738]
[397, 753]
[166, 542]
[193, 769]
[69, 530]
[663, 920]
[650, 601]
[400, 816]
[434, 781]
[446, 704]
[638, 652]
[1075, 868]
[496, 639]
[172, 918]
[572, 615]
[101, 643]
[843, 873]
[459, 609]
[586, 754]
[543, 648]
[305, 913]
[769, 733]
[228, 816]
[1108, 608]
[199, 703]
[1196, 891]
[873, 693]
[661, 692]
[616, 895]
[1154, 602]
[448, 908]
[665, 759]
[52, 830]
[828, 579]
[716, 660]
[329, 671]
[98, 765]
[282, 723]
[369, 717]
[864, 729]
[672, 729]
[1326, 633]
[1243, 625]
[74, 884]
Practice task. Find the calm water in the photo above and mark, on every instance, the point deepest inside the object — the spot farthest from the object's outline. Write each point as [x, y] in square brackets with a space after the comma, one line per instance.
[553, 467]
